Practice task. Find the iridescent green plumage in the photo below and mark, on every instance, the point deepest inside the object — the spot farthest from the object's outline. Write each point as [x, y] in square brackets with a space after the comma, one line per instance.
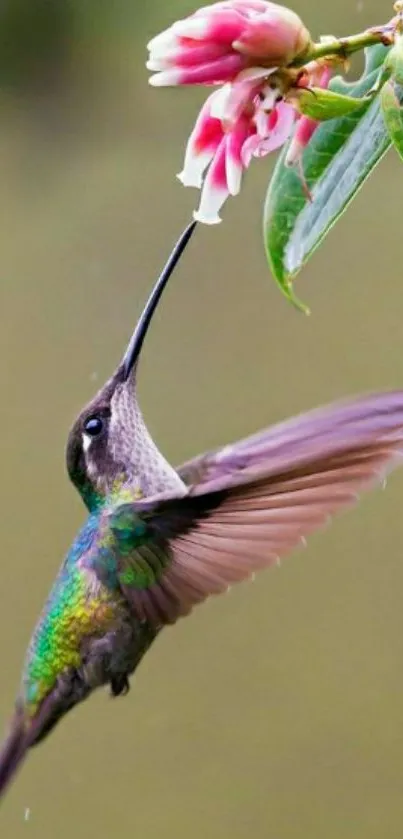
[78, 607]
[86, 600]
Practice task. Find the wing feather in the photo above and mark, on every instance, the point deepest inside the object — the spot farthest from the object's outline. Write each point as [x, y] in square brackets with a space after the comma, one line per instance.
[255, 502]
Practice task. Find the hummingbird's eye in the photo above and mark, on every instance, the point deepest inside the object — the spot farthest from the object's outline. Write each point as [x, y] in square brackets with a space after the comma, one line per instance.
[93, 426]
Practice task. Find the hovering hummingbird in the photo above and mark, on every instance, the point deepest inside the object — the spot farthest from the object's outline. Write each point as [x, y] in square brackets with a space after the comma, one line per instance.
[159, 540]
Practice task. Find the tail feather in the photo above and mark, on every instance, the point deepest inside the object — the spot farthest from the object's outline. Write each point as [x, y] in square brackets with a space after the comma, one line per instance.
[26, 730]
[13, 751]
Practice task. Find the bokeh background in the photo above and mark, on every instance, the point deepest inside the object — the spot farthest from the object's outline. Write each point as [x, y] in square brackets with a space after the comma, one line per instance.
[277, 711]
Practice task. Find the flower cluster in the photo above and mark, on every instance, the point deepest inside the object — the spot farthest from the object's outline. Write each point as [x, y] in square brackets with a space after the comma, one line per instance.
[244, 48]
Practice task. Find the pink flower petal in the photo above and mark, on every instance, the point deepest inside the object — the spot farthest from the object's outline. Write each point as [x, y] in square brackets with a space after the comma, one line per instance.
[279, 124]
[249, 149]
[281, 130]
[215, 188]
[222, 27]
[316, 74]
[277, 34]
[234, 163]
[262, 122]
[239, 94]
[190, 56]
[213, 72]
[202, 144]
[303, 133]
[325, 77]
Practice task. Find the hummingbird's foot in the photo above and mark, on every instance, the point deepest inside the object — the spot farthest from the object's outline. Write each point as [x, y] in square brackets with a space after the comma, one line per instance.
[120, 685]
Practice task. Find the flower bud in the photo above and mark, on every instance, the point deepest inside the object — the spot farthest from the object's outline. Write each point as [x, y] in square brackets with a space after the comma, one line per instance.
[217, 42]
[275, 37]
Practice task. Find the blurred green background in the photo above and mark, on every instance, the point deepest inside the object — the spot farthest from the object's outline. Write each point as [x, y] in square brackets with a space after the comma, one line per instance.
[277, 711]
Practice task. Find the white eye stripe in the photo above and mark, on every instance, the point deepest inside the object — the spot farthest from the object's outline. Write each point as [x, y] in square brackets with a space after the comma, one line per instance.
[86, 441]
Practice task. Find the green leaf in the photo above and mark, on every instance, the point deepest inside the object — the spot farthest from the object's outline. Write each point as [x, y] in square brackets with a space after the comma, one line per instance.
[340, 156]
[320, 104]
[392, 114]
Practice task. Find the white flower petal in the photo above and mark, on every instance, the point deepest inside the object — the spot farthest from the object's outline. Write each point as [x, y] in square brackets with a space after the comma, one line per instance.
[252, 73]
[192, 172]
[234, 175]
[161, 41]
[190, 179]
[200, 215]
[211, 201]
[156, 64]
[167, 48]
[219, 102]
[195, 165]
[193, 27]
[270, 96]
[248, 149]
[165, 79]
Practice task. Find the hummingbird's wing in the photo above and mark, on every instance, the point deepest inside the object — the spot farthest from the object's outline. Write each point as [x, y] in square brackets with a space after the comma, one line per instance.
[319, 425]
[257, 500]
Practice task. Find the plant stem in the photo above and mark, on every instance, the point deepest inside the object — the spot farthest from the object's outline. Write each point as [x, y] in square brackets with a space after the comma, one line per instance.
[346, 46]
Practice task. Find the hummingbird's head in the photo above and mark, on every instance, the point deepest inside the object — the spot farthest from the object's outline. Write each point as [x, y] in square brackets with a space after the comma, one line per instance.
[109, 445]
[102, 441]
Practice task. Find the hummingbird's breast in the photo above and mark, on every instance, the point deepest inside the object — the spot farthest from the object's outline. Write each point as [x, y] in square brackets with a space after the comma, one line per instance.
[80, 608]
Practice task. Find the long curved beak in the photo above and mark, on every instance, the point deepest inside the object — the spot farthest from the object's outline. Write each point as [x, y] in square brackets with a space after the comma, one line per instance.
[136, 342]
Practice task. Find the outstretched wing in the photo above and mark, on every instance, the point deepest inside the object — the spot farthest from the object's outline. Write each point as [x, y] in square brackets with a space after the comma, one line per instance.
[369, 414]
[256, 501]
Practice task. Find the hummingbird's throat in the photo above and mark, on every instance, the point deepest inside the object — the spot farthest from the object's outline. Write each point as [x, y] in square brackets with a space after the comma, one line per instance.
[120, 489]
[124, 492]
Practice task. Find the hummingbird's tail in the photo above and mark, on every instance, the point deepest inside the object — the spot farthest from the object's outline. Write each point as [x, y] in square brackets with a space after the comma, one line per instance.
[28, 729]
[14, 749]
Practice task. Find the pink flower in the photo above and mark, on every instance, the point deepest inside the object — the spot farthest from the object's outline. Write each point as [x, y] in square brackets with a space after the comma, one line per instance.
[219, 41]
[224, 147]
[245, 46]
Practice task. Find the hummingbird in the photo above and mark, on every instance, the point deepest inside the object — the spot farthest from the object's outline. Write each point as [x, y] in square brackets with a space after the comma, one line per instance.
[158, 540]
